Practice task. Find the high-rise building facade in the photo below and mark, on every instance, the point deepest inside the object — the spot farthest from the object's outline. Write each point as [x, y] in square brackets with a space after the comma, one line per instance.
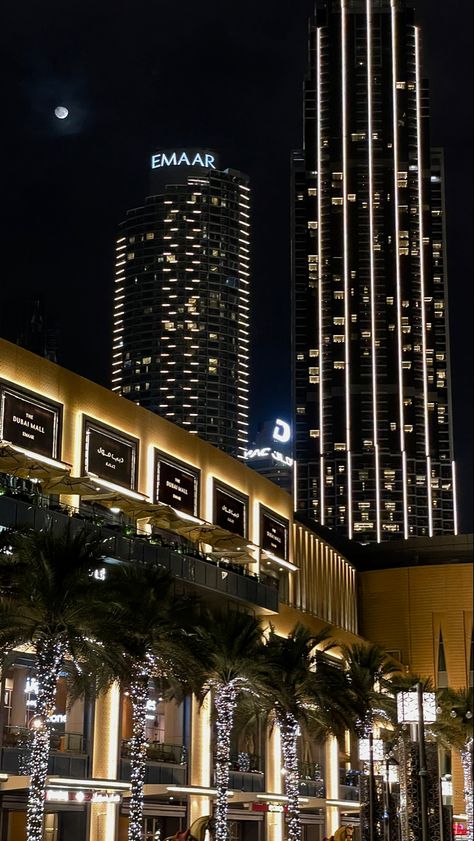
[182, 291]
[371, 376]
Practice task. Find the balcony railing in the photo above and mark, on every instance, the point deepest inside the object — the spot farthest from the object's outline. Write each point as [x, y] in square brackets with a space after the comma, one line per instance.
[20, 737]
[184, 562]
[159, 752]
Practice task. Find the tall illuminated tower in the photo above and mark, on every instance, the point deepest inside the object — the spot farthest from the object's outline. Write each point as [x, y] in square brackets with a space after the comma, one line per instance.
[182, 291]
[371, 375]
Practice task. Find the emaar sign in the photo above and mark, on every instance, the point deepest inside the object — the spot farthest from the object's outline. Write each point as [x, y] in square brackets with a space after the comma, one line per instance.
[186, 158]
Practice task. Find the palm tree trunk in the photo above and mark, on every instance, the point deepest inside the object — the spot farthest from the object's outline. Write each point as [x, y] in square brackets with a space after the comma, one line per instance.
[225, 701]
[466, 758]
[49, 660]
[289, 735]
[138, 750]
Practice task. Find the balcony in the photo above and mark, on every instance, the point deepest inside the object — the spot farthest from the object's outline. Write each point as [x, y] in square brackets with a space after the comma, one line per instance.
[247, 772]
[311, 780]
[69, 755]
[166, 764]
[193, 568]
[349, 788]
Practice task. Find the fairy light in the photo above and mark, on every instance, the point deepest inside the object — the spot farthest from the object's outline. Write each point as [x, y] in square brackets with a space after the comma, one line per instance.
[466, 760]
[138, 692]
[289, 729]
[49, 660]
[225, 702]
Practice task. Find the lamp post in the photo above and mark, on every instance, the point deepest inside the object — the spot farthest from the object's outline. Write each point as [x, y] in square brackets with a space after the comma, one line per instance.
[417, 708]
[371, 751]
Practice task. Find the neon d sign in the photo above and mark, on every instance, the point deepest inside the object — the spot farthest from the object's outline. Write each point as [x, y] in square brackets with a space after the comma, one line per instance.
[165, 159]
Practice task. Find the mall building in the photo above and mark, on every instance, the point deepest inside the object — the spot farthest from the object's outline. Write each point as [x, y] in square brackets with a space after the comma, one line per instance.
[74, 452]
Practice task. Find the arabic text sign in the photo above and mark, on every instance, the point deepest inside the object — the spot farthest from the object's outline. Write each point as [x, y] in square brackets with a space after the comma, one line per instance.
[230, 513]
[176, 487]
[29, 424]
[274, 537]
[109, 457]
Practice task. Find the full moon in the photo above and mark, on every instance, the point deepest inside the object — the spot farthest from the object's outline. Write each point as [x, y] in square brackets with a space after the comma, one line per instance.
[61, 112]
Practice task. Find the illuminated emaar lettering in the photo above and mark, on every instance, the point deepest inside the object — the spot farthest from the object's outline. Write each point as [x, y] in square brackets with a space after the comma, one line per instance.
[165, 159]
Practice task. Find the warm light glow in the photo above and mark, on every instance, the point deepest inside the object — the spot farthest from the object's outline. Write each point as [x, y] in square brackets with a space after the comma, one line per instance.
[118, 489]
[206, 792]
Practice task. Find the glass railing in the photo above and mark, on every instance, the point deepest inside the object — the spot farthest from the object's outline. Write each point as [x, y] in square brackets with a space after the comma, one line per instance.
[246, 763]
[105, 520]
[159, 752]
[310, 771]
[14, 736]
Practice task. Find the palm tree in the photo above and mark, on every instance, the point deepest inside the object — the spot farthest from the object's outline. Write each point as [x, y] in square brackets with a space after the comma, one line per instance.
[370, 684]
[303, 690]
[148, 638]
[231, 646]
[49, 600]
[371, 691]
[454, 729]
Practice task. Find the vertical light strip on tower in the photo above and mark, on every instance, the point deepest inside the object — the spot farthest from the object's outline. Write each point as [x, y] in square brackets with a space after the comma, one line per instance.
[422, 278]
[346, 263]
[397, 269]
[455, 499]
[243, 350]
[372, 266]
[322, 515]
[117, 354]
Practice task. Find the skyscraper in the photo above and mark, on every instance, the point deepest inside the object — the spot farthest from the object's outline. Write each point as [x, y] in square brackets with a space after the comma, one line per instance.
[182, 291]
[371, 376]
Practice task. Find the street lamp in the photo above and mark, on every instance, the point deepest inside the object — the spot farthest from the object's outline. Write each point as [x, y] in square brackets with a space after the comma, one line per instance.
[371, 750]
[419, 708]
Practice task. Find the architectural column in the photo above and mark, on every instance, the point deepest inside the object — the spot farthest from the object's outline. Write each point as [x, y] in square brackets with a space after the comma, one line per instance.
[273, 782]
[200, 759]
[332, 784]
[105, 756]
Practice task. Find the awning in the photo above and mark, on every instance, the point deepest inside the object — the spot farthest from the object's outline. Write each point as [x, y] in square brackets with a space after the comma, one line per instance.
[71, 485]
[25, 464]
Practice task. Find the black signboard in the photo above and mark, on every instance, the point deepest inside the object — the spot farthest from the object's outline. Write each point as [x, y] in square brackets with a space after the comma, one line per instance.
[230, 512]
[177, 487]
[29, 423]
[274, 536]
[110, 456]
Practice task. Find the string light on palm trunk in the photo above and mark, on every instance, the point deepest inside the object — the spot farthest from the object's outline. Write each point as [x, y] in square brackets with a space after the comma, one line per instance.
[289, 730]
[225, 702]
[138, 747]
[466, 759]
[48, 665]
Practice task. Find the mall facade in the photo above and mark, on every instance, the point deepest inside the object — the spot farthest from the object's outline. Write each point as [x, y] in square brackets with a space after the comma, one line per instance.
[162, 495]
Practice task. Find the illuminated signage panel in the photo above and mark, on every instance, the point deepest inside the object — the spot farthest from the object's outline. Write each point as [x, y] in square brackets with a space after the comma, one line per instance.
[230, 512]
[30, 423]
[177, 487]
[184, 157]
[110, 455]
[274, 536]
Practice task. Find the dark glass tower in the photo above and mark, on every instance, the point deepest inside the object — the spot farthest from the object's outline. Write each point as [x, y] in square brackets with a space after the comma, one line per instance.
[371, 376]
[181, 317]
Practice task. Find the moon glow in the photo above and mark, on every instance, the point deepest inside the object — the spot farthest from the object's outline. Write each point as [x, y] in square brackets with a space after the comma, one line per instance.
[61, 112]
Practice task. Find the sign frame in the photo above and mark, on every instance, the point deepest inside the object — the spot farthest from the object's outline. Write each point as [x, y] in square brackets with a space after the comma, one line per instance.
[41, 402]
[89, 423]
[192, 471]
[279, 521]
[240, 498]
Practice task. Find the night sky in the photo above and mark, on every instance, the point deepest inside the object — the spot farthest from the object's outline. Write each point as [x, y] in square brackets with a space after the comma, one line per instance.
[141, 76]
